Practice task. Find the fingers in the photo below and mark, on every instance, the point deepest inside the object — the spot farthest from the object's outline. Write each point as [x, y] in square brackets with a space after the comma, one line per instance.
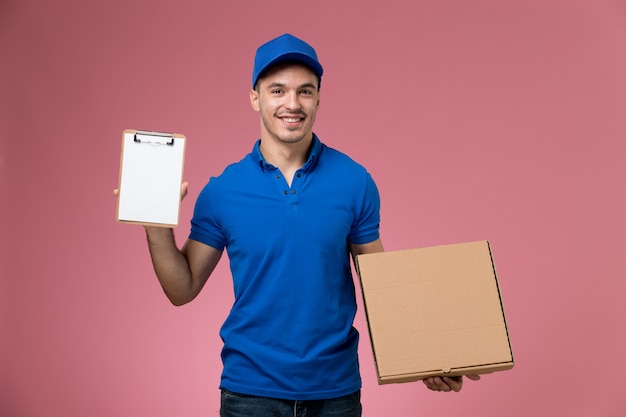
[430, 384]
[184, 189]
[455, 383]
[116, 192]
[447, 384]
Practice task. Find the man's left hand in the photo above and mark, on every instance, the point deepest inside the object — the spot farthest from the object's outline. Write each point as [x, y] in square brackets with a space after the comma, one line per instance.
[447, 383]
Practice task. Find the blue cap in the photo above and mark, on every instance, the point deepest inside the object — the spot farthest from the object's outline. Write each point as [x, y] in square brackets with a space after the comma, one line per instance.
[285, 48]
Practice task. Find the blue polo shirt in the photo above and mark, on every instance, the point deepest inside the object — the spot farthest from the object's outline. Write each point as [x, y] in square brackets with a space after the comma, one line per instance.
[289, 334]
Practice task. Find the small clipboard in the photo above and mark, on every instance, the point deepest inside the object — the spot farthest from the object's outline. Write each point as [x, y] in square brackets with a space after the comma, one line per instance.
[151, 173]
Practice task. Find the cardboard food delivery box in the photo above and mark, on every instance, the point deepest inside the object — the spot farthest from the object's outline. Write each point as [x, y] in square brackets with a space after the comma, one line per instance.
[434, 311]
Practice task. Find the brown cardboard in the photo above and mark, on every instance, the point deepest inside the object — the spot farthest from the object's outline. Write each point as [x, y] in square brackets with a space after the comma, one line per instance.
[434, 311]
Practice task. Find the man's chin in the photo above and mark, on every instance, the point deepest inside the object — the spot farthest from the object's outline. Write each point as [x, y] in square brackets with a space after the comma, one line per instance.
[291, 140]
[294, 137]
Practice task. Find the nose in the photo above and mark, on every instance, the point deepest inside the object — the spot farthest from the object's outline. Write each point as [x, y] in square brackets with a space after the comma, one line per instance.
[292, 101]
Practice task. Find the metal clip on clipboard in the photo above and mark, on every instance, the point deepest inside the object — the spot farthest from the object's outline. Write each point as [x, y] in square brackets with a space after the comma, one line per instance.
[155, 138]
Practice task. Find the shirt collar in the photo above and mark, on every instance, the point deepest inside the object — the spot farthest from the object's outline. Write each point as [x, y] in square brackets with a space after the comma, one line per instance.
[316, 149]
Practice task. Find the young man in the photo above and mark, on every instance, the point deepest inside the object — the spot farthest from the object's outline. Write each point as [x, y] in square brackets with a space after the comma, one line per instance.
[289, 214]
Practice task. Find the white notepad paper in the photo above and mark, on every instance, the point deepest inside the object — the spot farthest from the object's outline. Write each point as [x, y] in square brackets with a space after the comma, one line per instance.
[151, 172]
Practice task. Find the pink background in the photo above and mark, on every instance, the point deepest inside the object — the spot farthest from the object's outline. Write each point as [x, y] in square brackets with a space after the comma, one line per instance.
[498, 120]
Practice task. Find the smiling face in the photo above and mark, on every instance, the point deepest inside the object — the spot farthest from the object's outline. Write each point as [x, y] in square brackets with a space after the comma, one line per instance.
[287, 98]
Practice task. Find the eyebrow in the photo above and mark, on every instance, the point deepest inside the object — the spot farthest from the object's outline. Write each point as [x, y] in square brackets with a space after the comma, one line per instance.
[306, 85]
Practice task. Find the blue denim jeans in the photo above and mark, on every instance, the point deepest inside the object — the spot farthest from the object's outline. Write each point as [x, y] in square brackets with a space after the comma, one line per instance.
[240, 405]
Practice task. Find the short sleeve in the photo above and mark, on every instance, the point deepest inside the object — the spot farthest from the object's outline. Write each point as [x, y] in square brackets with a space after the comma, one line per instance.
[367, 221]
[205, 226]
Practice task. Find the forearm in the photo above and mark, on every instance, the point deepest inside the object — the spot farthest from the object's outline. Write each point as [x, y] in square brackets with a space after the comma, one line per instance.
[170, 265]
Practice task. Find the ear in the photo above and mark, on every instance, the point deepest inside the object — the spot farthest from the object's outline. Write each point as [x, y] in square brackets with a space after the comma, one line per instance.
[254, 100]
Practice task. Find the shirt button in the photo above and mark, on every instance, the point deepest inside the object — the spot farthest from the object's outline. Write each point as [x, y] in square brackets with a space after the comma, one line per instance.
[277, 177]
[299, 175]
[293, 191]
[286, 192]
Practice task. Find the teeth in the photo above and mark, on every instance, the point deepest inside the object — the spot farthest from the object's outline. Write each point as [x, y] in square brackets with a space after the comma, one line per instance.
[291, 120]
